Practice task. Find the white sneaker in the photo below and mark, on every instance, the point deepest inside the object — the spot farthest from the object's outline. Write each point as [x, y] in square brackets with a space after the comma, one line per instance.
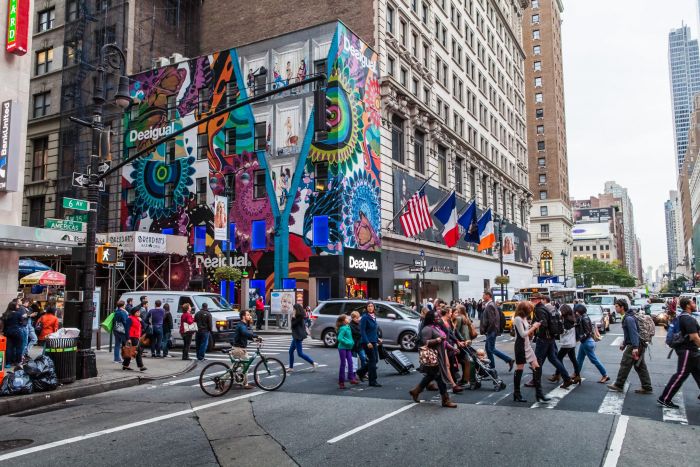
[315, 366]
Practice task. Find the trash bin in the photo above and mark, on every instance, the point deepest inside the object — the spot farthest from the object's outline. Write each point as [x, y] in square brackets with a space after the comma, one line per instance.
[63, 352]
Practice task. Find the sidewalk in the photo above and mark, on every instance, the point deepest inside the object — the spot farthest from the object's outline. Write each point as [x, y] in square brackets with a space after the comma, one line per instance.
[110, 377]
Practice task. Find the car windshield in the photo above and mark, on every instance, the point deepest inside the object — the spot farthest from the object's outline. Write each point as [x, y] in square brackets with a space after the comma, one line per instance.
[508, 306]
[214, 302]
[640, 301]
[601, 300]
[594, 311]
[656, 306]
[408, 312]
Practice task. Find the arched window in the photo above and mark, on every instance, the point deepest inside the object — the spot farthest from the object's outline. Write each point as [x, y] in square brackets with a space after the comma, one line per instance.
[546, 260]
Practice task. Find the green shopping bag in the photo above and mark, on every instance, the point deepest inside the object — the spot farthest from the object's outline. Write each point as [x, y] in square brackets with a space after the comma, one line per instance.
[108, 322]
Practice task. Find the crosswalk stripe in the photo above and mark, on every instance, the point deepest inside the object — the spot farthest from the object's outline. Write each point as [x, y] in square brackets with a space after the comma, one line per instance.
[555, 396]
[676, 415]
[617, 341]
[613, 401]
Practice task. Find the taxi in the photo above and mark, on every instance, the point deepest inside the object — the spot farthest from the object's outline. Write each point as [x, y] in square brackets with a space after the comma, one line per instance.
[508, 309]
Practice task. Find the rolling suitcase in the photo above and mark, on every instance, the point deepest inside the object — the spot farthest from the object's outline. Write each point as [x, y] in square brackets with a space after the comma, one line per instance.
[399, 361]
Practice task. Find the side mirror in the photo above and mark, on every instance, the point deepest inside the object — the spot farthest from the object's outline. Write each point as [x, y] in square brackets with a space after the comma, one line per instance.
[391, 316]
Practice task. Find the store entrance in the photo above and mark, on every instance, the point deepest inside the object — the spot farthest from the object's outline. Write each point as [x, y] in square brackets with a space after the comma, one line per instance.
[361, 288]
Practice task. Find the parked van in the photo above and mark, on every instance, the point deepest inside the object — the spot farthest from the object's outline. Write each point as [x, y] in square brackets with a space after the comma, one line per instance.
[224, 317]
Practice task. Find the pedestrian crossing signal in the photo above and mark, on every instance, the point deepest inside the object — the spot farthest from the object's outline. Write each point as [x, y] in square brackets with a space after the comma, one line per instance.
[107, 254]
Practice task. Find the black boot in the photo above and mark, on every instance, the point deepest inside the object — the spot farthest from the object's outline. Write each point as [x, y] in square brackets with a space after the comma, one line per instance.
[538, 386]
[516, 383]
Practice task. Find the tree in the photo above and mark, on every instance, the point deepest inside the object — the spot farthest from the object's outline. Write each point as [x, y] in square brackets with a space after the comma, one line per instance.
[227, 273]
[592, 271]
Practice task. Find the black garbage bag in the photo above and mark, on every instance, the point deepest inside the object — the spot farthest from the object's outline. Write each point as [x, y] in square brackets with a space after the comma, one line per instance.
[45, 379]
[16, 383]
[32, 369]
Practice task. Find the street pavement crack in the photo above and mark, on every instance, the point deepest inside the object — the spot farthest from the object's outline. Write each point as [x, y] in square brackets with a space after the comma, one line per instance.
[211, 446]
[284, 449]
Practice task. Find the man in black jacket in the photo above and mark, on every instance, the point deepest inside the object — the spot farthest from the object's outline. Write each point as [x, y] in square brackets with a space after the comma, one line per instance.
[205, 327]
[491, 326]
[546, 347]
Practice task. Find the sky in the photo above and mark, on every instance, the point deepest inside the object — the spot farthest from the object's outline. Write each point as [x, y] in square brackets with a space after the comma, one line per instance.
[618, 105]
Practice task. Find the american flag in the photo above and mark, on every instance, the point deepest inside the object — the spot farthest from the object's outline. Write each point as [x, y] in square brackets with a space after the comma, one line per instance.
[417, 216]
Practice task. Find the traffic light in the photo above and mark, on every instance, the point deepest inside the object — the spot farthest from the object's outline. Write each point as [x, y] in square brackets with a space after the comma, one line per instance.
[323, 115]
[107, 254]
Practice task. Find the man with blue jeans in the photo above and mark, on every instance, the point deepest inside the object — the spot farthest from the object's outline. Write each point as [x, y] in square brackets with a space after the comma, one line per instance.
[205, 327]
[155, 319]
[490, 325]
[546, 346]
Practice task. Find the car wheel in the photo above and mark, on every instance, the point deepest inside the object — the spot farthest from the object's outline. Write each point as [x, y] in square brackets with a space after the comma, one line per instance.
[329, 338]
[407, 341]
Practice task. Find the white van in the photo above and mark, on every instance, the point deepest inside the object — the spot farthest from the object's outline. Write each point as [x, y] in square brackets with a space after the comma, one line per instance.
[608, 304]
[224, 317]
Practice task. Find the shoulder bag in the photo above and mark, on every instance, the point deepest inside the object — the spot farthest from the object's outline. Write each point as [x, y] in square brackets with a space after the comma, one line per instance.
[427, 357]
[189, 327]
[129, 351]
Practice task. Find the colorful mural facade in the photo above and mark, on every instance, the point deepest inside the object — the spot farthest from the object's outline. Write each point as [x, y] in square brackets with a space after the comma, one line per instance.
[284, 179]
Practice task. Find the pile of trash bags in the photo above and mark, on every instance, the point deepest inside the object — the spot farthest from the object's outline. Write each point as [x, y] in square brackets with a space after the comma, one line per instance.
[36, 375]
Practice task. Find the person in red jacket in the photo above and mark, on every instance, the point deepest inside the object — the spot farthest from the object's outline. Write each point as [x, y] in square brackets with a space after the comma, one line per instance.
[48, 323]
[188, 318]
[134, 336]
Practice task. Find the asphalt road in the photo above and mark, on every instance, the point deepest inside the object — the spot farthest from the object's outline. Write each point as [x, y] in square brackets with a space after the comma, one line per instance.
[309, 421]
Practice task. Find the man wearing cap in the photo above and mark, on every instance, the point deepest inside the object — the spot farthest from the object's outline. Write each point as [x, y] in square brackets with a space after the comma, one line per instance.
[546, 347]
[369, 338]
[490, 326]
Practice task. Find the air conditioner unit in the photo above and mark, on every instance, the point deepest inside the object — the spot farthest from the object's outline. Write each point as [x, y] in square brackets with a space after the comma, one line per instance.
[177, 58]
[160, 62]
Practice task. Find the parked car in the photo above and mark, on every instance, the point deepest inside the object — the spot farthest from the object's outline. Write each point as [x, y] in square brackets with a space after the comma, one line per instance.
[508, 309]
[599, 317]
[398, 323]
[608, 304]
[223, 315]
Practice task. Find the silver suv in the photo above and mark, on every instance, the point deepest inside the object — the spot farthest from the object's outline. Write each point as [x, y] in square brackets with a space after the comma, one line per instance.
[398, 323]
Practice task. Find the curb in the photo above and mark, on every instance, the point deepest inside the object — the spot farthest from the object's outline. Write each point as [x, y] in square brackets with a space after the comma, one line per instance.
[10, 405]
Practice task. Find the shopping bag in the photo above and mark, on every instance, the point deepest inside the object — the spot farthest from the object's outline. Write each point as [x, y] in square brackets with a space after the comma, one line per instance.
[108, 322]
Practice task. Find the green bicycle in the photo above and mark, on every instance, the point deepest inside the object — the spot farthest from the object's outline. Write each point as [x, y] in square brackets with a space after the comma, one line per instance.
[217, 378]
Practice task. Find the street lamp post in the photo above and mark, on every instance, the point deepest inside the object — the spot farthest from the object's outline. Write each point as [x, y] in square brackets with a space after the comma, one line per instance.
[86, 358]
[564, 255]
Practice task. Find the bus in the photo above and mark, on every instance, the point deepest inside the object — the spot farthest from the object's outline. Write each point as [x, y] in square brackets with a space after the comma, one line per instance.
[595, 290]
[556, 294]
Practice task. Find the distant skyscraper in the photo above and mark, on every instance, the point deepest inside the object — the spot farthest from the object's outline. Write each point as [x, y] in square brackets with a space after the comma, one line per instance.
[629, 235]
[671, 214]
[684, 67]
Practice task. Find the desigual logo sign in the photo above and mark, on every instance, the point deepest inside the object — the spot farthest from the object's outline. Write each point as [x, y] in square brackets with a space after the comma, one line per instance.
[151, 133]
[362, 264]
[357, 53]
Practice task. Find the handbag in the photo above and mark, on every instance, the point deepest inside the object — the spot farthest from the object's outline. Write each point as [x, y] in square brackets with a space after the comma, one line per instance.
[473, 333]
[189, 327]
[145, 341]
[129, 351]
[119, 327]
[427, 357]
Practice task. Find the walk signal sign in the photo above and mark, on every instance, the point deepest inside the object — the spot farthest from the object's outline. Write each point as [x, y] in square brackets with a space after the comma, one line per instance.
[107, 254]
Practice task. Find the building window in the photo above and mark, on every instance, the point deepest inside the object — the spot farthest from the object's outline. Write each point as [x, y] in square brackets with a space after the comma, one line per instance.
[541, 161]
[535, 4]
[544, 228]
[538, 82]
[538, 98]
[536, 34]
[260, 136]
[459, 171]
[543, 194]
[537, 50]
[40, 158]
[44, 59]
[397, 141]
[170, 151]
[390, 62]
[543, 178]
[46, 19]
[404, 77]
[539, 113]
[72, 10]
[535, 19]
[402, 32]
[472, 182]
[231, 141]
[201, 194]
[202, 146]
[204, 103]
[540, 145]
[169, 195]
[546, 260]
[540, 129]
[42, 103]
[36, 211]
[70, 54]
[320, 176]
[419, 152]
[442, 165]
[390, 20]
[414, 87]
[320, 230]
[424, 16]
[259, 185]
[484, 192]
[538, 66]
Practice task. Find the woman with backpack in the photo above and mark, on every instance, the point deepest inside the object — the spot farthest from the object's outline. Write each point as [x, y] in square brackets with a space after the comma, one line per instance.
[584, 334]
[567, 343]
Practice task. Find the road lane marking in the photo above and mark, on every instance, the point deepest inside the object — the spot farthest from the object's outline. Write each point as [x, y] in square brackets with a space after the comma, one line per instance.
[555, 395]
[369, 424]
[116, 429]
[613, 401]
[613, 453]
[676, 415]
[617, 341]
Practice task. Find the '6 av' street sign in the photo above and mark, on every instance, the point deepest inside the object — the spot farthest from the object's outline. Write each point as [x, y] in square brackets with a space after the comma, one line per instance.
[77, 204]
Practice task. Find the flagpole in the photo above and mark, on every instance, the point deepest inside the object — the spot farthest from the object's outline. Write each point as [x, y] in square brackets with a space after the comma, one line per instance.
[405, 203]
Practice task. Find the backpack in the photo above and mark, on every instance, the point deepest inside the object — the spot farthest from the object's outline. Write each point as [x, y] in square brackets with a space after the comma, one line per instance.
[555, 323]
[646, 327]
[673, 336]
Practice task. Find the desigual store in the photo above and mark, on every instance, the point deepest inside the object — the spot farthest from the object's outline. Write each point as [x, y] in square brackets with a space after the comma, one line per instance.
[298, 207]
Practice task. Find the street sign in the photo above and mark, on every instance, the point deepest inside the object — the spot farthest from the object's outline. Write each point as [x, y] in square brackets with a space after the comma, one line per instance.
[107, 254]
[103, 167]
[505, 272]
[83, 180]
[63, 224]
[119, 265]
[77, 217]
[77, 204]
[416, 270]
[417, 262]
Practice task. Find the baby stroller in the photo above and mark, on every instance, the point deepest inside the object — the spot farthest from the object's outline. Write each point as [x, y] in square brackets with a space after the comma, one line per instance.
[483, 372]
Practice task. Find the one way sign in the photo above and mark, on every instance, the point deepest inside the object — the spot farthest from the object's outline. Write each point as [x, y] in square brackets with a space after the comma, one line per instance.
[83, 181]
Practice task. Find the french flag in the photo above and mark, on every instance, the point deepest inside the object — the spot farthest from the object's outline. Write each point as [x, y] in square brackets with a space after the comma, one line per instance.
[447, 214]
[487, 235]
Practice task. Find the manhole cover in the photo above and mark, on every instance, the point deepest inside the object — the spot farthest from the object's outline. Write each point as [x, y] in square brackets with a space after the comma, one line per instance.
[7, 444]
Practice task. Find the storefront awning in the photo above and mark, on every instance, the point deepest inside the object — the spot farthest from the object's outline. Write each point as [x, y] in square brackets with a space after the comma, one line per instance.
[435, 276]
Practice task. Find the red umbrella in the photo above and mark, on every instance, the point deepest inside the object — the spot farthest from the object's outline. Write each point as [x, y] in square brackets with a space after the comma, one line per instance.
[44, 278]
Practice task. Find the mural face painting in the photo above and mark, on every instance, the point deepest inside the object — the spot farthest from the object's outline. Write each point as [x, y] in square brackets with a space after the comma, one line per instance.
[267, 149]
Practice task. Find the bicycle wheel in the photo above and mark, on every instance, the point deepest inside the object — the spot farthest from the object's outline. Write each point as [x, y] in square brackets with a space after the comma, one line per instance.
[216, 379]
[269, 374]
